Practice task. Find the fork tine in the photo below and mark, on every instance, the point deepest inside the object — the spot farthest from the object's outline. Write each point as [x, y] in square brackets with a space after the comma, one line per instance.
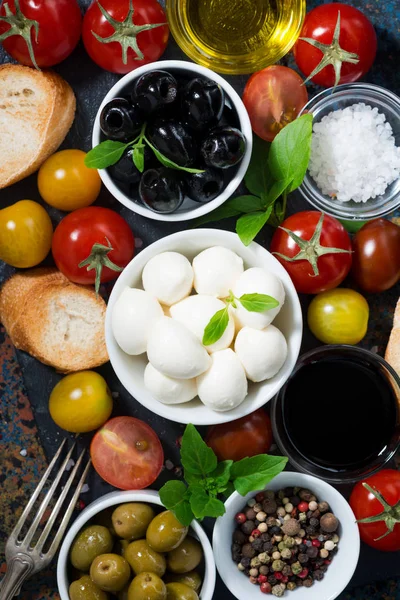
[66, 518]
[21, 521]
[32, 529]
[54, 513]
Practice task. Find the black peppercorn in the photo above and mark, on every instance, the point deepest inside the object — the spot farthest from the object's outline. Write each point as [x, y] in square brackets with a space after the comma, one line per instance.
[306, 495]
[316, 514]
[303, 558]
[257, 545]
[308, 582]
[269, 506]
[287, 571]
[314, 522]
[295, 500]
[268, 547]
[272, 580]
[299, 582]
[236, 556]
[248, 527]
[250, 514]
[264, 570]
[236, 547]
[271, 521]
[318, 575]
[275, 530]
[311, 530]
[239, 537]
[248, 551]
[323, 568]
[245, 561]
[265, 537]
[312, 552]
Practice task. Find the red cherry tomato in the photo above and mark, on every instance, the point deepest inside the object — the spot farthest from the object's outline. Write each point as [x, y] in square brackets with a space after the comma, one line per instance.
[357, 36]
[104, 40]
[247, 436]
[57, 23]
[273, 98]
[376, 258]
[365, 504]
[332, 267]
[127, 453]
[93, 236]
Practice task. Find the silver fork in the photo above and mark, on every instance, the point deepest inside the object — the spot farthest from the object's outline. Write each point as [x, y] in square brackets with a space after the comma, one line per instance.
[24, 560]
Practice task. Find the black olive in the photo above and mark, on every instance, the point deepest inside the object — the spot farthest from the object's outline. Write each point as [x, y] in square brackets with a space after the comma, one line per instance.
[224, 147]
[203, 187]
[173, 140]
[125, 171]
[203, 102]
[160, 190]
[155, 90]
[121, 120]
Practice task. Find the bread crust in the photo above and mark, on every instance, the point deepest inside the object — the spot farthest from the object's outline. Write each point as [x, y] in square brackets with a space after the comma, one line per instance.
[61, 113]
[392, 354]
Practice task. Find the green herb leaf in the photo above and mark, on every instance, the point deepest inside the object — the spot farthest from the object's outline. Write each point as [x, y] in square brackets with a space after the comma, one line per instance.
[277, 190]
[250, 474]
[169, 163]
[222, 473]
[105, 154]
[216, 327]
[174, 496]
[230, 488]
[290, 152]
[257, 178]
[203, 505]
[196, 457]
[258, 302]
[248, 226]
[138, 158]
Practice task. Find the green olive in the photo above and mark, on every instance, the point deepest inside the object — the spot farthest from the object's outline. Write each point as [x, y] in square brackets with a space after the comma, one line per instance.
[110, 572]
[147, 586]
[185, 557]
[143, 558]
[105, 519]
[89, 543]
[192, 579]
[131, 520]
[165, 532]
[85, 589]
[180, 591]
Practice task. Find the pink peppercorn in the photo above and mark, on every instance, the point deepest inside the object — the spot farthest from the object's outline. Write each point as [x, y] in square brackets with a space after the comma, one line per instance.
[262, 579]
[266, 588]
[256, 533]
[240, 518]
[278, 575]
[316, 543]
[303, 574]
[285, 579]
[327, 562]
[260, 497]
[303, 507]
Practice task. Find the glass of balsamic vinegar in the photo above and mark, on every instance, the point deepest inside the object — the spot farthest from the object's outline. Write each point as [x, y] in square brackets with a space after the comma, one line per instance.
[338, 415]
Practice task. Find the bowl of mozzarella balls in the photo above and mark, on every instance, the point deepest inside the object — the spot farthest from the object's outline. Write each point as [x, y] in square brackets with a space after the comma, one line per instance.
[202, 329]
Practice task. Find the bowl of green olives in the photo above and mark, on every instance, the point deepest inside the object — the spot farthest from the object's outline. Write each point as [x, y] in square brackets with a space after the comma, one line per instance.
[124, 545]
[180, 137]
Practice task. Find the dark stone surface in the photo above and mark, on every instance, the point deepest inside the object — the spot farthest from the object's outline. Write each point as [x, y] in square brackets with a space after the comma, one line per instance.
[90, 85]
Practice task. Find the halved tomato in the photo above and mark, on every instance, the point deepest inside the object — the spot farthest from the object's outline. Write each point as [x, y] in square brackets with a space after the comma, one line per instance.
[127, 453]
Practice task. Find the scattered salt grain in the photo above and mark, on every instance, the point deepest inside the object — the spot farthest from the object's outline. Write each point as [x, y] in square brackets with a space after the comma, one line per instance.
[85, 488]
[69, 464]
[353, 154]
[169, 464]
[23, 452]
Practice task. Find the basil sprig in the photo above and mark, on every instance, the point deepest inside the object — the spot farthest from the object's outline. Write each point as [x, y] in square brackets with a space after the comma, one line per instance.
[109, 152]
[216, 326]
[275, 170]
[206, 479]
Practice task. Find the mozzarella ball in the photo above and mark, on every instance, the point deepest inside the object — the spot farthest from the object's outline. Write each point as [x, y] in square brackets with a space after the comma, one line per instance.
[134, 314]
[168, 390]
[216, 270]
[195, 313]
[257, 281]
[169, 277]
[262, 352]
[224, 385]
[175, 351]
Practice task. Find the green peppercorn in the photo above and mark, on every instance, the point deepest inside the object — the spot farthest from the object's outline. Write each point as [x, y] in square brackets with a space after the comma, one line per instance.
[278, 565]
[289, 541]
[255, 562]
[264, 558]
[286, 553]
[281, 546]
[296, 568]
[278, 590]
[291, 586]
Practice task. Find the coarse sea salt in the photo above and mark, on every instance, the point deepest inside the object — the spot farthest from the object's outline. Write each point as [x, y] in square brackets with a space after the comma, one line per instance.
[353, 154]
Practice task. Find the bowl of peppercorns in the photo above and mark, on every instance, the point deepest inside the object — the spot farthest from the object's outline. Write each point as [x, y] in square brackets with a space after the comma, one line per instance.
[299, 534]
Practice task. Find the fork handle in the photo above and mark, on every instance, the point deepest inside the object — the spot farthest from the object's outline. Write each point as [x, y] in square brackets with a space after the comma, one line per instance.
[18, 569]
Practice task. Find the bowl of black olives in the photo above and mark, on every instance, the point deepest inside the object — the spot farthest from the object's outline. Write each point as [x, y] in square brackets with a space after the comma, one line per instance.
[172, 141]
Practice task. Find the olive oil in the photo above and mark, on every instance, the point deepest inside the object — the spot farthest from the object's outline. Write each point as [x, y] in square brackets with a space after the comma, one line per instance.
[235, 36]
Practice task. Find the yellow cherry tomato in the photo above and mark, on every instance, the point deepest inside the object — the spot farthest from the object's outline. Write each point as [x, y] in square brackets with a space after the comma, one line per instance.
[339, 316]
[81, 402]
[65, 182]
[25, 234]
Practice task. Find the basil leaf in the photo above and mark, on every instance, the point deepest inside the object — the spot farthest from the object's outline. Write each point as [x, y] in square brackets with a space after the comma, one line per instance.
[250, 474]
[203, 505]
[196, 457]
[232, 208]
[105, 154]
[174, 496]
[277, 190]
[138, 158]
[216, 327]
[248, 226]
[222, 473]
[258, 302]
[194, 478]
[290, 152]
[257, 176]
[169, 163]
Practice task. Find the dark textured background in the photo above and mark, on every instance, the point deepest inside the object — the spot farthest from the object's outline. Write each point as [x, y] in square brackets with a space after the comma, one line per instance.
[19, 430]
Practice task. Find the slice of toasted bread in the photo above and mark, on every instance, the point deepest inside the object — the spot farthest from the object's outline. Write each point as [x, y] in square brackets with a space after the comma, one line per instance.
[392, 354]
[56, 321]
[37, 109]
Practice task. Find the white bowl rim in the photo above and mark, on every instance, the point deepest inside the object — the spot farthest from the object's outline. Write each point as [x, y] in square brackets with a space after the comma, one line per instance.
[245, 127]
[164, 410]
[290, 479]
[118, 497]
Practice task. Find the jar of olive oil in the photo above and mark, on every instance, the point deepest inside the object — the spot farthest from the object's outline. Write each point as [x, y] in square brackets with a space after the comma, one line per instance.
[236, 36]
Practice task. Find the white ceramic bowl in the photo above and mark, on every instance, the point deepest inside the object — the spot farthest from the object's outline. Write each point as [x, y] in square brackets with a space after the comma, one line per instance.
[130, 369]
[189, 208]
[339, 572]
[113, 499]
